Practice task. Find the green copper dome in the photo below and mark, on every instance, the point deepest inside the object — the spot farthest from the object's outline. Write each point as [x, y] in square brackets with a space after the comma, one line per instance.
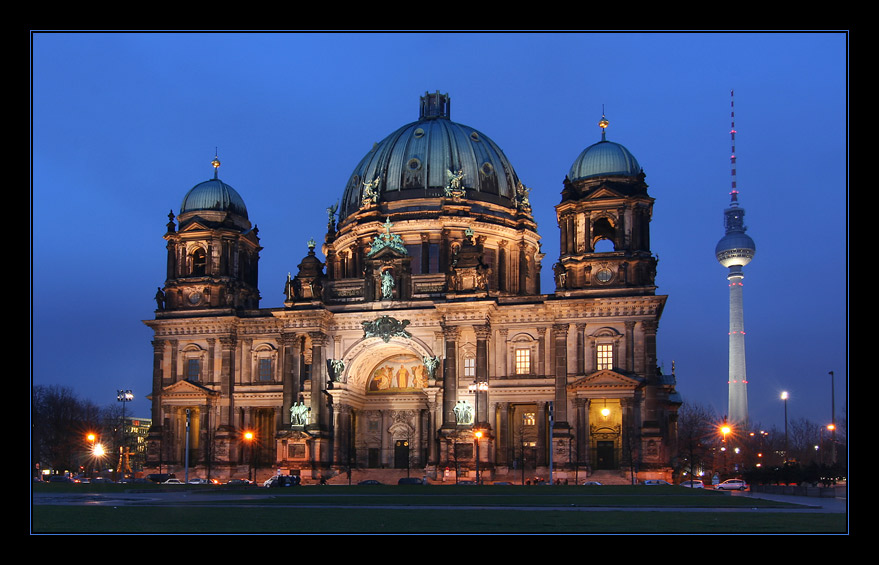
[604, 158]
[424, 158]
[213, 195]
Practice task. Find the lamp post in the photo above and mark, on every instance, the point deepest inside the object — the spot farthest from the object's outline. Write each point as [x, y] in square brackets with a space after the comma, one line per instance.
[91, 437]
[476, 387]
[248, 436]
[725, 430]
[832, 426]
[123, 396]
[784, 396]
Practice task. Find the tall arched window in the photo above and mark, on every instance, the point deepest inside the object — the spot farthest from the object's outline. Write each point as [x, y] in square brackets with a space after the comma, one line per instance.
[199, 262]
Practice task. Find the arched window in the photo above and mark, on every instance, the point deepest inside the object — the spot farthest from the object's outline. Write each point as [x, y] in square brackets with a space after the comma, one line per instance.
[198, 262]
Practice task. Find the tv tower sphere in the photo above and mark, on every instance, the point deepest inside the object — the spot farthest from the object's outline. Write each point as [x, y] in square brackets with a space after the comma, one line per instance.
[736, 248]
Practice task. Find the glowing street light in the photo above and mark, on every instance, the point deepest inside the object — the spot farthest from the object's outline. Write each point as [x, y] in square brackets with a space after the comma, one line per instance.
[784, 397]
[248, 437]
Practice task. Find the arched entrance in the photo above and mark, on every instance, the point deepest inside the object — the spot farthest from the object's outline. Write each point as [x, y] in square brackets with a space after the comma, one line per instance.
[386, 383]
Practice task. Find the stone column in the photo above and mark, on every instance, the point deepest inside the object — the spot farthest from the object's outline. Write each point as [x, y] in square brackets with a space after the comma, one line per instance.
[319, 412]
[560, 355]
[450, 377]
[482, 335]
[630, 347]
[289, 362]
[542, 437]
[581, 349]
[227, 376]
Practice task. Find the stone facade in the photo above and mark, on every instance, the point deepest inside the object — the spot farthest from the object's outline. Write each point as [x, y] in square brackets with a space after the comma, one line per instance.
[423, 342]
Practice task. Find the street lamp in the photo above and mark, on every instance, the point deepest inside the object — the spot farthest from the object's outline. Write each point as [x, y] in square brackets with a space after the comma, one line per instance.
[477, 435]
[91, 437]
[123, 396]
[476, 387]
[784, 396]
[248, 437]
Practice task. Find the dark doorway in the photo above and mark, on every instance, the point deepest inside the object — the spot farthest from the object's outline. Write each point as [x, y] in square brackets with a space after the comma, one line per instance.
[401, 454]
[604, 455]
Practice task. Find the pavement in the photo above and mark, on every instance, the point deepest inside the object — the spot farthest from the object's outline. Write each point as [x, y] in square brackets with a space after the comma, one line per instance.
[806, 504]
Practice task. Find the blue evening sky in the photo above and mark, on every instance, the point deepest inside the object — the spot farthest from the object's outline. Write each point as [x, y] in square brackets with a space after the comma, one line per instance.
[124, 124]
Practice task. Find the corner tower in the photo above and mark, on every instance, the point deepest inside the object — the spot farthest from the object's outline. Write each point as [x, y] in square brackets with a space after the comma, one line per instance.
[213, 252]
[734, 251]
[604, 220]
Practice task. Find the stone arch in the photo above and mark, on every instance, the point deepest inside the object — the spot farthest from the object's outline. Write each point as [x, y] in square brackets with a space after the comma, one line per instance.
[367, 353]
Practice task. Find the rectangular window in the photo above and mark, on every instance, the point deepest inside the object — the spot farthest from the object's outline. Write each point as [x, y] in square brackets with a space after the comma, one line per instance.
[193, 369]
[605, 357]
[523, 361]
[470, 367]
[265, 369]
[529, 419]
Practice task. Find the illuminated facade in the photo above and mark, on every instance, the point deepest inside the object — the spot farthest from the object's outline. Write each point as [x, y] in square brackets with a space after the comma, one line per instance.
[424, 324]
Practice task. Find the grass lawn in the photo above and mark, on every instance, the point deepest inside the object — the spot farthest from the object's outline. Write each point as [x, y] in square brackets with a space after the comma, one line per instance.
[431, 509]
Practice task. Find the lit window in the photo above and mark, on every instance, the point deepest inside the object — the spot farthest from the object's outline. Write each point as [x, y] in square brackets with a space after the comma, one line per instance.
[265, 369]
[605, 356]
[529, 419]
[469, 367]
[193, 369]
[523, 361]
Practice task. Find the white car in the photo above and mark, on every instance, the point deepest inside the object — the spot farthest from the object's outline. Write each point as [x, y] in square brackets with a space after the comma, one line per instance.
[732, 484]
[173, 482]
[693, 484]
[199, 481]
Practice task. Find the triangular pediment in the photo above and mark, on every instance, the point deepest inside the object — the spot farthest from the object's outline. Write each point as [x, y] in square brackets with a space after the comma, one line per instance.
[195, 224]
[605, 192]
[188, 389]
[389, 253]
[605, 379]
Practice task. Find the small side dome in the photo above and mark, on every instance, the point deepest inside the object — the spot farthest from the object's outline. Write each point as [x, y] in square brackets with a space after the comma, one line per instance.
[604, 158]
[213, 195]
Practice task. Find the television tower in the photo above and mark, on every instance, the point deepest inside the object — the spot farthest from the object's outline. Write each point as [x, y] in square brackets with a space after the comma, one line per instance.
[734, 251]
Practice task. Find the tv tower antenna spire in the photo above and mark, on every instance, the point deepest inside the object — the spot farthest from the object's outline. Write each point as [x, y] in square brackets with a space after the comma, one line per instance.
[734, 251]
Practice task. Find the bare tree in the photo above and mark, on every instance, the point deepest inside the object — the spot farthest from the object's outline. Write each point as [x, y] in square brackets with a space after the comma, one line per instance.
[696, 436]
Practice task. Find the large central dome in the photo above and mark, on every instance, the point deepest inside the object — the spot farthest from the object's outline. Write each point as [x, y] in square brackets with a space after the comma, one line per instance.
[424, 158]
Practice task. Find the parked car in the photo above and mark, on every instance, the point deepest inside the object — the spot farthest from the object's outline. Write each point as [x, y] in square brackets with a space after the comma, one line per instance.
[410, 481]
[693, 484]
[283, 481]
[732, 484]
[199, 481]
[369, 482]
[655, 482]
[173, 482]
[102, 480]
[591, 484]
[239, 482]
[160, 477]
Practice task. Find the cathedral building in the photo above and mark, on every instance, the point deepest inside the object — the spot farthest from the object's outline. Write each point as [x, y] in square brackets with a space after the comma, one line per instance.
[423, 344]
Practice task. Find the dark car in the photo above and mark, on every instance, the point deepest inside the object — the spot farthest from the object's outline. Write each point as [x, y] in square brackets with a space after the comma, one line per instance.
[285, 481]
[410, 481]
[369, 482]
[160, 478]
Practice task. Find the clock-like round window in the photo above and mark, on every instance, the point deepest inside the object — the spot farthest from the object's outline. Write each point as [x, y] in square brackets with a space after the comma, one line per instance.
[604, 275]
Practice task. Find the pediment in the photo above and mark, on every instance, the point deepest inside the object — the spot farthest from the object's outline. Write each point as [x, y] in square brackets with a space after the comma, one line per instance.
[605, 379]
[195, 224]
[605, 192]
[187, 389]
[389, 252]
